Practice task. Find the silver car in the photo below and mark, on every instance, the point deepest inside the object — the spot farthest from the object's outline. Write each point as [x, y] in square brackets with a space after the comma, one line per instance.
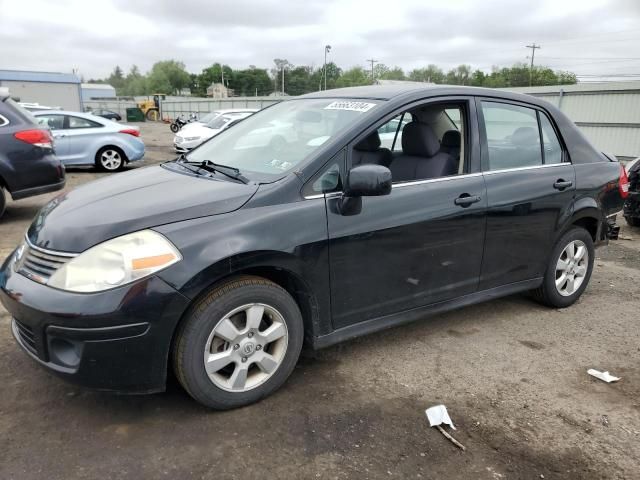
[85, 139]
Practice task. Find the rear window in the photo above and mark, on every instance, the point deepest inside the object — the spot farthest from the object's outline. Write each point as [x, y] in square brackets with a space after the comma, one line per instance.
[22, 112]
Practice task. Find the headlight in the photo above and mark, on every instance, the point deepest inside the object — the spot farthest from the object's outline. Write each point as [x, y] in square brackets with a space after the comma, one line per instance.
[190, 139]
[116, 262]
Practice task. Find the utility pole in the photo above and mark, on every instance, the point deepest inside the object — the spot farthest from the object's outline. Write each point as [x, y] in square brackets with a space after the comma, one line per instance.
[373, 78]
[283, 80]
[327, 49]
[533, 47]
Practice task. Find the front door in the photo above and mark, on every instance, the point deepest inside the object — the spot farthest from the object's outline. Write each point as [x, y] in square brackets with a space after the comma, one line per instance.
[419, 245]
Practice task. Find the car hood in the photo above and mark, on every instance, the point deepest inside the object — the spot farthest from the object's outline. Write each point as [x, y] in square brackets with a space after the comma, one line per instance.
[127, 202]
[194, 131]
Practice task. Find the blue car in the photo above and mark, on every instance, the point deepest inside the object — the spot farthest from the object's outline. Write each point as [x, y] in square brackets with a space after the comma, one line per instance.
[85, 139]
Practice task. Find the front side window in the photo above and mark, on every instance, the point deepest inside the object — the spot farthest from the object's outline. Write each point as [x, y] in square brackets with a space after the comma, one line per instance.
[79, 122]
[54, 122]
[278, 139]
[429, 143]
[513, 137]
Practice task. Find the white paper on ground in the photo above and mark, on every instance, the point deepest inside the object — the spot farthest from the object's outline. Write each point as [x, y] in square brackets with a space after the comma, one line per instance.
[604, 376]
[438, 415]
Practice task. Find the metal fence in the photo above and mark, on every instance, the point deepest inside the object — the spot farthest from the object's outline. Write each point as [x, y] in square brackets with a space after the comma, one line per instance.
[200, 106]
[119, 106]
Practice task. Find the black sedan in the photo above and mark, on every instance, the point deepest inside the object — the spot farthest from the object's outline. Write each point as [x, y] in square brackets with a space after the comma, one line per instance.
[329, 216]
[110, 114]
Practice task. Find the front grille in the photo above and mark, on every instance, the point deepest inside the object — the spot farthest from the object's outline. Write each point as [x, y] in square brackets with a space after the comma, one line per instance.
[38, 264]
[26, 337]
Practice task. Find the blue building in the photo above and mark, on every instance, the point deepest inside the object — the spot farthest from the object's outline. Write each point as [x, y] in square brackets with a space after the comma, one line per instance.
[49, 89]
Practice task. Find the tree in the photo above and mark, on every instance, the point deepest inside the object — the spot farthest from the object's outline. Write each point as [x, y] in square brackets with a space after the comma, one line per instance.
[168, 76]
[299, 81]
[116, 79]
[431, 74]
[354, 77]
[395, 73]
[251, 81]
[459, 75]
[279, 69]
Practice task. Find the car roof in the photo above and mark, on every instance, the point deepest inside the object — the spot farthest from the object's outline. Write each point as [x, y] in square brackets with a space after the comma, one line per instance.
[235, 110]
[411, 91]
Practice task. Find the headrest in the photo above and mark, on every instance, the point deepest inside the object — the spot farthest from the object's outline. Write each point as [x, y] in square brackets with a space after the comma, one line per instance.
[428, 115]
[418, 139]
[370, 143]
[525, 136]
[451, 138]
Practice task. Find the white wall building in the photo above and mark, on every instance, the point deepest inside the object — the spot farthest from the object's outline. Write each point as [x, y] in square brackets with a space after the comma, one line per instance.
[46, 88]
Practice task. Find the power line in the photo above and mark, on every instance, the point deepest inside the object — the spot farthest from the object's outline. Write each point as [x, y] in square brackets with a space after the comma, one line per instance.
[373, 78]
[533, 47]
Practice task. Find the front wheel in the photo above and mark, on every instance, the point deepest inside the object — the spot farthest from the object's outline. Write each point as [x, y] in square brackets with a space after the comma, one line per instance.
[568, 271]
[239, 343]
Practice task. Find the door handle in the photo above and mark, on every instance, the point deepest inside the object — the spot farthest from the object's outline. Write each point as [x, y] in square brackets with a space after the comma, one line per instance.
[561, 184]
[59, 135]
[465, 200]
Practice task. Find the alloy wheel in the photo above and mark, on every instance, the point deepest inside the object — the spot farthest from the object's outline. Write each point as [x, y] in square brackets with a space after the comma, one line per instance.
[246, 347]
[571, 268]
[111, 160]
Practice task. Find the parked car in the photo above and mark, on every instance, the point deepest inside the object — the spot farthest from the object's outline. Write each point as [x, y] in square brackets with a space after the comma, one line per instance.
[85, 139]
[108, 114]
[632, 204]
[28, 165]
[196, 133]
[221, 263]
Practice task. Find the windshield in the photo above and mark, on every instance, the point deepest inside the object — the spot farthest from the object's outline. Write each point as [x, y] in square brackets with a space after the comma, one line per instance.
[218, 122]
[208, 117]
[275, 140]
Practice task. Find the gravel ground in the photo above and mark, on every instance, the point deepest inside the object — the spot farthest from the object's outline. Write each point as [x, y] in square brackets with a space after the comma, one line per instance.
[512, 374]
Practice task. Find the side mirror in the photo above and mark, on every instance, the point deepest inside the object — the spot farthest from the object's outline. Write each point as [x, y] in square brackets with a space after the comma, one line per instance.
[368, 181]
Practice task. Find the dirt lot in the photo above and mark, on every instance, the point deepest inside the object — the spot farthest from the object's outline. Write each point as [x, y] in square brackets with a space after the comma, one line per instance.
[512, 374]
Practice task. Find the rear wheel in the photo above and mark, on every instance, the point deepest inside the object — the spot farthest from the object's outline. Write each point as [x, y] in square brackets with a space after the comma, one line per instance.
[239, 343]
[3, 201]
[568, 271]
[110, 159]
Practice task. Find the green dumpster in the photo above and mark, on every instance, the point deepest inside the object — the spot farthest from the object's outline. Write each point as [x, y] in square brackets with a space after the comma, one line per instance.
[134, 114]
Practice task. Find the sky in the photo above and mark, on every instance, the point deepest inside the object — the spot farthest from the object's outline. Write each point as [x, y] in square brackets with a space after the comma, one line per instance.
[593, 38]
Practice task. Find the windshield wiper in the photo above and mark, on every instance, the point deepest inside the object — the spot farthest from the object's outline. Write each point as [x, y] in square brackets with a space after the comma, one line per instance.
[211, 167]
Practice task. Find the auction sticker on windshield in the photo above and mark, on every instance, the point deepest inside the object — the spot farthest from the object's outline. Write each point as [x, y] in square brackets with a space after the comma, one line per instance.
[354, 106]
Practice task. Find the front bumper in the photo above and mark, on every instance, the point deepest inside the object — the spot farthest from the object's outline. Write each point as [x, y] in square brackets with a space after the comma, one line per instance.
[117, 340]
[185, 146]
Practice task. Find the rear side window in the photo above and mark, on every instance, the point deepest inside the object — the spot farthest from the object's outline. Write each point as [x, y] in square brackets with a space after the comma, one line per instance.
[551, 144]
[513, 137]
[54, 122]
[78, 122]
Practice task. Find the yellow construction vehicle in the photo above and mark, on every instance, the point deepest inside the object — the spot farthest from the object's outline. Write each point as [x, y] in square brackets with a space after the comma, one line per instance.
[151, 106]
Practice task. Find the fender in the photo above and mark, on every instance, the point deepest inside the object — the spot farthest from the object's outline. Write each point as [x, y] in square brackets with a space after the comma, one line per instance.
[285, 243]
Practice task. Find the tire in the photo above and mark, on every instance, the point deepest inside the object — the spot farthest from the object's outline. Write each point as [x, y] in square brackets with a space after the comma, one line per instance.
[633, 221]
[174, 128]
[567, 293]
[152, 114]
[3, 201]
[110, 159]
[213, 331]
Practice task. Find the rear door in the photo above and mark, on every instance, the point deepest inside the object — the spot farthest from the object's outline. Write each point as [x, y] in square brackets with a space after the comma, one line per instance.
[530, 186]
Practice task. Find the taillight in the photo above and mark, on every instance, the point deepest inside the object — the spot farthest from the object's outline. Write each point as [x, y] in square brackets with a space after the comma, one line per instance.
[623, 183]
[37, 138]
[130, 131]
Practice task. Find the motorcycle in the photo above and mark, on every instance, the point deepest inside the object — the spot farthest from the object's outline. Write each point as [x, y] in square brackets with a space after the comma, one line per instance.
[180, 122]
